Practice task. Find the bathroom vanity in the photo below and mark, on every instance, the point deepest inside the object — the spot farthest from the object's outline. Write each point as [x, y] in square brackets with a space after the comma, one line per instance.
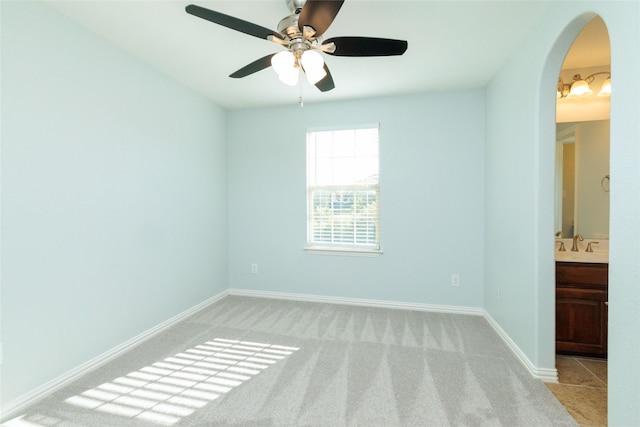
[581, 309]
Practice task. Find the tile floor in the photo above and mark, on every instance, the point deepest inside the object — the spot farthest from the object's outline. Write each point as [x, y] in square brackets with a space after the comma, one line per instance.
[582, 388]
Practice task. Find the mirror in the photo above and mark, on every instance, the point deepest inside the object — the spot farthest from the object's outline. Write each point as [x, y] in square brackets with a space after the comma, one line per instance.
[582, 179]
[582, 137]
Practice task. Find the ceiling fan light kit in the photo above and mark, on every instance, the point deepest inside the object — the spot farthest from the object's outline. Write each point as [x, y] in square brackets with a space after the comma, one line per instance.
[301, 34]
[313, 66]
[284, 64]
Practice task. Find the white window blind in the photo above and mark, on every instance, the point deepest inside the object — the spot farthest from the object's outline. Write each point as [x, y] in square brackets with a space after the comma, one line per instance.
[343, 189]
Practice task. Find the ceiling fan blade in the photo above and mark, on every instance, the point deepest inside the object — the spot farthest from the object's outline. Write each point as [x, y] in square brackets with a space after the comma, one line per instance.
[319, 14]
[254, 67]
[366, 46]
[326, 84]
[231, 22]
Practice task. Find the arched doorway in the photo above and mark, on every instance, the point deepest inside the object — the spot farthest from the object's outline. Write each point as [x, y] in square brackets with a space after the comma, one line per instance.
[582, 192]
[581, 119]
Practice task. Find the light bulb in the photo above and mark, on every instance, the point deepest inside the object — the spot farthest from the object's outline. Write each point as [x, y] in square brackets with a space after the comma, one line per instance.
[290, 78]
[606, 88]
[284, 64]
[579, 88]
[313, 65]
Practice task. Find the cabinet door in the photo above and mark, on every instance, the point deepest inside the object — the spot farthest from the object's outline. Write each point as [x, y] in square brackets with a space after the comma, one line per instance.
[581, 321]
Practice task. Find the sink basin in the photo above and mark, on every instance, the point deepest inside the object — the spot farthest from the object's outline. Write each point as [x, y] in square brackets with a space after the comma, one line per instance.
[600, 252]
[595, 256]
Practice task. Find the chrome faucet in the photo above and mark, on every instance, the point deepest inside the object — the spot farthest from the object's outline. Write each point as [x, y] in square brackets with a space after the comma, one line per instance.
[577, 237]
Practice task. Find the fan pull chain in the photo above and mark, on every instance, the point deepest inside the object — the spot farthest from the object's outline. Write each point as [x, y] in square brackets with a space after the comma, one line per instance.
[300, 102]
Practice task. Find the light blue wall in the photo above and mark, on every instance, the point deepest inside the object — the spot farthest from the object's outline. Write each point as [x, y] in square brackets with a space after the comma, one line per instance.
[113, 197]
[431, 200]
[519, 163]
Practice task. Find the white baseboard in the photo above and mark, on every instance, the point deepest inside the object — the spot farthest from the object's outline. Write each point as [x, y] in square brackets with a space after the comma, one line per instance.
[359, 302]
[12, 408]
[545, 374]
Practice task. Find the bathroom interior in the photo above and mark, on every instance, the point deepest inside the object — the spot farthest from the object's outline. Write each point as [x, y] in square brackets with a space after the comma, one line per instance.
[582, 225]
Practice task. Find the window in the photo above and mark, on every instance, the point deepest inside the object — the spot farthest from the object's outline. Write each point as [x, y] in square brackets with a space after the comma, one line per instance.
[343, 189]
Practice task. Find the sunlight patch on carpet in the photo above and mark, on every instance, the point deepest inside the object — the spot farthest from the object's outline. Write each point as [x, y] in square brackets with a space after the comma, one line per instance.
[167, 391]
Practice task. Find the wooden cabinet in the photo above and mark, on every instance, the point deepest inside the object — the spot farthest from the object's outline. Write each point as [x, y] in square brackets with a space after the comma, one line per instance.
[581, 312]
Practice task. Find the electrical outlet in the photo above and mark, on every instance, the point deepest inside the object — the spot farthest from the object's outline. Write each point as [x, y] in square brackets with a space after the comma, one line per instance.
[455, 280]
[254, 268]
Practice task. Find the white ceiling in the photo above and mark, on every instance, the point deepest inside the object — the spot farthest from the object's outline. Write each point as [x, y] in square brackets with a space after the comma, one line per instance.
[452, 44]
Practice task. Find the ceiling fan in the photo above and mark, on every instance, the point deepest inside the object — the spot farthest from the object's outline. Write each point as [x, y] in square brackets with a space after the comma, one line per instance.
[301, 34]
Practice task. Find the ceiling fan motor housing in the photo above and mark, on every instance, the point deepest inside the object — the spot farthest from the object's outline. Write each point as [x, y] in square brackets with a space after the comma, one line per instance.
[288, 27]
[295, 6]
[297, 41]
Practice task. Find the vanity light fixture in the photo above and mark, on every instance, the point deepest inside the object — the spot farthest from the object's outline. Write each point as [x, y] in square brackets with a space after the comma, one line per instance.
[579, 87]
[606, 87]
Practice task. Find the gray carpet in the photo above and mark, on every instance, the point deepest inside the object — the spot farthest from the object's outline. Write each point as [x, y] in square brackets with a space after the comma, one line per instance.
[265, 362]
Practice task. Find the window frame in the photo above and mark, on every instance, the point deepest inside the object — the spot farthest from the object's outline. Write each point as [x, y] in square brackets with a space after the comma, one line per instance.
[338, 248]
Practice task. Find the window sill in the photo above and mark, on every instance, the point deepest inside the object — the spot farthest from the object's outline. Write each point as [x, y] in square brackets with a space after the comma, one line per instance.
[323, 250]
